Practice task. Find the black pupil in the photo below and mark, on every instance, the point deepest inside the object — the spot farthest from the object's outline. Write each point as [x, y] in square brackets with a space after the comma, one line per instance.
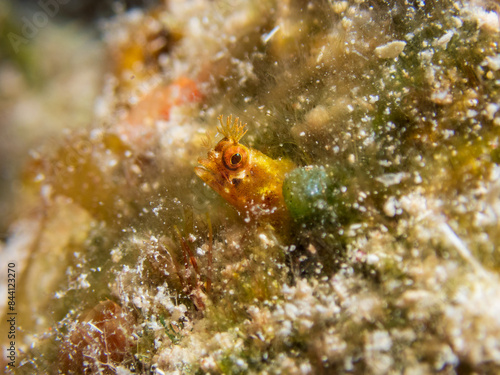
[235, 159]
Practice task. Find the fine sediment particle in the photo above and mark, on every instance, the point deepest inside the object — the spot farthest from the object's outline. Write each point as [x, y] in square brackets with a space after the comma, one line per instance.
[390, 50]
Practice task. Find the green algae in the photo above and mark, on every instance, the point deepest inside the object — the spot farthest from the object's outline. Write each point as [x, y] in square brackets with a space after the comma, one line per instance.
[305, 192]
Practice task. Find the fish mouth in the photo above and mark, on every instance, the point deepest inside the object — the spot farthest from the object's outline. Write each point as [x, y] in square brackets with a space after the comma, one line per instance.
[207, 171]
[204, 173]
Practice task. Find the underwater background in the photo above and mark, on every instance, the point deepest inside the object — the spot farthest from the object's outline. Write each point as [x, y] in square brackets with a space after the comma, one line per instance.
[376, 124]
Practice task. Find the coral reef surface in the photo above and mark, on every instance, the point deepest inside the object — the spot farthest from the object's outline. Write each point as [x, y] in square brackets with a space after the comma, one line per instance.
[385, 257]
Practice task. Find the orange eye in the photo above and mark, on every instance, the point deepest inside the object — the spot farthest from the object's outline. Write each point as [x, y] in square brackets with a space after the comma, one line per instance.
[234, 157]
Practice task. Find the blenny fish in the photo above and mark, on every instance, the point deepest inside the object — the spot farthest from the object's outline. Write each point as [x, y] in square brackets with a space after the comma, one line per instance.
[246, 178]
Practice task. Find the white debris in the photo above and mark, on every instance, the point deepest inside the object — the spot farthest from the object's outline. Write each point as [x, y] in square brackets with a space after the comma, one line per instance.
[390, 50]
[486, 20]
[444, 40]
[270, 34]
[493, 62]
[392, 207]
[390, 179]
[491, 109]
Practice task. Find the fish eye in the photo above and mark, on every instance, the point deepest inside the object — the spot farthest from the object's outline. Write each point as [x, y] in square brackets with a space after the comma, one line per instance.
[234, 157]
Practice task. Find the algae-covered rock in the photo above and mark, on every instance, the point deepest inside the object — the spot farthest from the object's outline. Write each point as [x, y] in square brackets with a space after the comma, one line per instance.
[385, 258]
[306, 192]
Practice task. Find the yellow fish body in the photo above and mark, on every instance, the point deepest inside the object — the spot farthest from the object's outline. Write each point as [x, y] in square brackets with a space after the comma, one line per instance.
[246, 178]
